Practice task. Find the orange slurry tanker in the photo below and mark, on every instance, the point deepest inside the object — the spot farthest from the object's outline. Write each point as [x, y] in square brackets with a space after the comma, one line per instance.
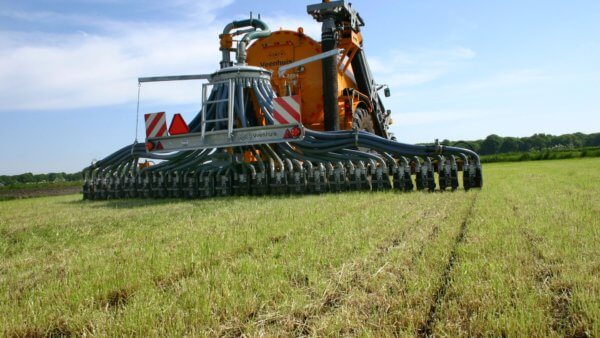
[284, 114]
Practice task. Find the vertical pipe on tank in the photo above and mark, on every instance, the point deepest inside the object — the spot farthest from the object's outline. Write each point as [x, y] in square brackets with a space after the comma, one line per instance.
[330, 81]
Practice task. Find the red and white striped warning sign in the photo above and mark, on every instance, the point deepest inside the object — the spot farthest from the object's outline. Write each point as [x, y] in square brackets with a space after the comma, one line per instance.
[156, 125]
[286, 109]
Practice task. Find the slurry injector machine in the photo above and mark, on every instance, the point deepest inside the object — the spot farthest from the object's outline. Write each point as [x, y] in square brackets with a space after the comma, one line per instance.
[286, 115]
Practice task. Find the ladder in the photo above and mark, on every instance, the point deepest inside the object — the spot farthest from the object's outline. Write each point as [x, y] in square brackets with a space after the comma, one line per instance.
[206, 102]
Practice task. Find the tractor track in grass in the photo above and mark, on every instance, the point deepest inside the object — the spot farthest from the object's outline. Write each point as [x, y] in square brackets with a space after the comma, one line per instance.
[336, 299]
[301, 325]
[356, 275]
[426, 330]
[547, 277]
[331, 302]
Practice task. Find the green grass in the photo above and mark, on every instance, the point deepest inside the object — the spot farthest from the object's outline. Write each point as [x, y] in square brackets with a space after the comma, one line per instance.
[519, 257]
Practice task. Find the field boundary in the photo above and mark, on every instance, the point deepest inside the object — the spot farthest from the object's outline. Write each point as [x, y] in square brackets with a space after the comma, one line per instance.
[14, 194]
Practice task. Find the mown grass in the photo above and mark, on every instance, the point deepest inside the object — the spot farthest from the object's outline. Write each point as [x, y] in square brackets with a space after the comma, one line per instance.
[530, 264]
[518, 257]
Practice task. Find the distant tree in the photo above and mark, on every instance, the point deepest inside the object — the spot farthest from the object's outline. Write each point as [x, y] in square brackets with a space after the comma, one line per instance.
[593, 140]
[41, 178]
[491, 145]
[579, 139]
[25, 178]
[539, 141]
[476, 145]
[73, 177]
[7, 180]
[509, 145]
[566, 140]
[525, 144]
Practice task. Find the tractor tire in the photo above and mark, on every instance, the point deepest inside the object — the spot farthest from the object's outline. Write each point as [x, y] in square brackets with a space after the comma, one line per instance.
[363, 120]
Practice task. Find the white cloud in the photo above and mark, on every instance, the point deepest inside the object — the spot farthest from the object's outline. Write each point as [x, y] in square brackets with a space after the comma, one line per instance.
[98, 65]
[194, 10]
[409, 68]
[433, 117]
[515, 78]
[90, 70]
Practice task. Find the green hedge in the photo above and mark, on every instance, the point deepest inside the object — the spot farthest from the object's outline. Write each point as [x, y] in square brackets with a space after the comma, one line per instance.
[542, 155]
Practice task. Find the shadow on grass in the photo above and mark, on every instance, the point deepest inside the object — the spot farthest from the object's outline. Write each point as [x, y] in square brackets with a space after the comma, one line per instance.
[131, 203]
[128, 203]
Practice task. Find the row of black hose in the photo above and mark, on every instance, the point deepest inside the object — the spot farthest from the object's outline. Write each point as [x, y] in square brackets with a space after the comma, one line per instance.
[321, 162]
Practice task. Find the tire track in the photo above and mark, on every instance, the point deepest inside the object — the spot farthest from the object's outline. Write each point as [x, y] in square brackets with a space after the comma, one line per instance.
[547, 276]
[354, 276]
[331, 301]
[326, 302]
[426, 330]
[378, 258]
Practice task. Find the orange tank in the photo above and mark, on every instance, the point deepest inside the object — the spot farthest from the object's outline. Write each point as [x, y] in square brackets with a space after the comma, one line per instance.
[284, 47]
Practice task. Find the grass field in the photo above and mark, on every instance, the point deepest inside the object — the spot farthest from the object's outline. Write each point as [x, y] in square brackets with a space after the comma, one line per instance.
[520, 257]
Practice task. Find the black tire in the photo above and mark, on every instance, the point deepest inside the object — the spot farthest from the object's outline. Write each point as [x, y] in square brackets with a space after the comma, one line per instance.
[363, 120]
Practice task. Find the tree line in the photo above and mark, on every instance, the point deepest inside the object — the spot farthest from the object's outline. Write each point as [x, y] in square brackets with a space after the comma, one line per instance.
[26, 178]
[494, 144]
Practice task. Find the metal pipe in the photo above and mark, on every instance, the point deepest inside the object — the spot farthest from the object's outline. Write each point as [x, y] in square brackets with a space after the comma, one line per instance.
[330, 70]
[262, 31]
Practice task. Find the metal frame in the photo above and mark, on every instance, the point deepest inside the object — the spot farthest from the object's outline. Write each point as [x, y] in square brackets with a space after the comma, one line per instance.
[174, 78]
[230, 102]
[222, 139]
[230, 137]
[230, 105]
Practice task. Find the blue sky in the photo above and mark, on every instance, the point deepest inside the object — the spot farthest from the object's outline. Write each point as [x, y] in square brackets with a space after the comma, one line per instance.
[457, 69]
